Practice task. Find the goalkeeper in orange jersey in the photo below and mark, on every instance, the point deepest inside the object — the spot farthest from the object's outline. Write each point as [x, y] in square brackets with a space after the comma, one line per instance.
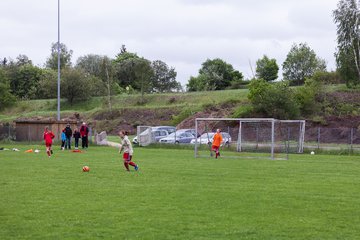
[217, 140]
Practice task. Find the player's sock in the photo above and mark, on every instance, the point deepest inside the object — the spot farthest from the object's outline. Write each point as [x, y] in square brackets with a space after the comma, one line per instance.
[132, 164]
[48, 153]
[126, 166]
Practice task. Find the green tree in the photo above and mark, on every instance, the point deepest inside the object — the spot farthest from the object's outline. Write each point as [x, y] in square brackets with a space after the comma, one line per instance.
[24, 81]
[123, 68]
[214, 74]
[267, 69]
[164, 79]
[301, 63]
[143, 74]
[47, 86]
[275, 100]
[6, 98]
[347, 20]
[106, 74]
[23, 60]
[75, 85]
[65, 57]
[196, 83]
[91, 64]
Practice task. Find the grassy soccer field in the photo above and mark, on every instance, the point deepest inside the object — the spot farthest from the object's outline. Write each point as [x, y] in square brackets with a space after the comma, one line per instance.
[174, 196]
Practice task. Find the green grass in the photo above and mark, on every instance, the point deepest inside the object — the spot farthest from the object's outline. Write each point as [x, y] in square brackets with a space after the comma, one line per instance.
[175, 196]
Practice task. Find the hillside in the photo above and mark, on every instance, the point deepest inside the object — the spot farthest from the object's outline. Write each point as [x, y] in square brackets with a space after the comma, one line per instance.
[178, 109]
[127, 110]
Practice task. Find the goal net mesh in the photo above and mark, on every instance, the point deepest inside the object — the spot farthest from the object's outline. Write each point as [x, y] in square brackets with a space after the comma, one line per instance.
[260, 138]
[144, 135]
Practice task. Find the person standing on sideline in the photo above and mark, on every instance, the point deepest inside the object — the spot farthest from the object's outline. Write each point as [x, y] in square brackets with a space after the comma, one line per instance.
[128, 151]
[84, 131]
[76, 137]
[68, 133]
[217, 140]
[48, 137]
[63, 139]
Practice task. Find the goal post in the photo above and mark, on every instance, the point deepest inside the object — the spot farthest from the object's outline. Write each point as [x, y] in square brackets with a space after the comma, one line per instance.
[252, 137]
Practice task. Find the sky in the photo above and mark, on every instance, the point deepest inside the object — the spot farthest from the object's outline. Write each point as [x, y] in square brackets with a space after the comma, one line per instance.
[181, 33]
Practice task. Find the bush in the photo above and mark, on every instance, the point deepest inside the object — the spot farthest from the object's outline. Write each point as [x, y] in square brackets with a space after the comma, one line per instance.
[308, 97]
[275, 100]
[243, 111]
[328, 78]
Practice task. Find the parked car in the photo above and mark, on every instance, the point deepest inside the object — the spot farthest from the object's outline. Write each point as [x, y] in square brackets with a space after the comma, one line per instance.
[190, 130]
[180, 136]
[157, 133]
[207, 138]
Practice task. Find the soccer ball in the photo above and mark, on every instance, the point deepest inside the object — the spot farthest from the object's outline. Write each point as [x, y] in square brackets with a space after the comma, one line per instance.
[86, 169]
[312, 152]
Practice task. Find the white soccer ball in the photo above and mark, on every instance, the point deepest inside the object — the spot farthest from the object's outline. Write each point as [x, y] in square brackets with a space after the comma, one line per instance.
[312, 152]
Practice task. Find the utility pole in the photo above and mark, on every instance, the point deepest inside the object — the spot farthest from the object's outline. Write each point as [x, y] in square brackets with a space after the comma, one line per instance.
[58, 49]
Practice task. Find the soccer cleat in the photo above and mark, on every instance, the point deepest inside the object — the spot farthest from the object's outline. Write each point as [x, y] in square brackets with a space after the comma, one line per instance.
[136, 167]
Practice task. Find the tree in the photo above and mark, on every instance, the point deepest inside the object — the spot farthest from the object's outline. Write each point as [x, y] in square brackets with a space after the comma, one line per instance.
[124, 55]
[143, 74]
[301, 63]
[6, 98]
[164, 79]
[75, 85]
[24, 81]
[218, 73]
[214, 74]
[267, 69]
[91, 64]
[124, 68]
[196, 83]
[23, 60]
[347, 19]
[47, 86]
[275, 100]
[106, 75]
[65, 57]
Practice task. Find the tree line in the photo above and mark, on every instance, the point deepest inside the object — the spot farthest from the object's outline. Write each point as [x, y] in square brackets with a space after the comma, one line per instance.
[92, 75]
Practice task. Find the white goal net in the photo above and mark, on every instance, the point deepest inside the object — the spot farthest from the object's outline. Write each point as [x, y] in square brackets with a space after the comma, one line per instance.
[251, 137]
[101, 138]
[144, 135]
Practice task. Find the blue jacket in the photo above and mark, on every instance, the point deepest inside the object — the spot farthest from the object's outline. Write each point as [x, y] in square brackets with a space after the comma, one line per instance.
[63, 136]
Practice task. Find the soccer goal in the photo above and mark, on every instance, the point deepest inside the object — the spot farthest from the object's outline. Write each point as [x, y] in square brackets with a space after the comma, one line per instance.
[144, 136]
[251, 137]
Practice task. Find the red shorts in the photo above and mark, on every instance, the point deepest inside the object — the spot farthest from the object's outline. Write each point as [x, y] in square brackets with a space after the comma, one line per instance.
[127, 157]
[215, 148]
[48, 144]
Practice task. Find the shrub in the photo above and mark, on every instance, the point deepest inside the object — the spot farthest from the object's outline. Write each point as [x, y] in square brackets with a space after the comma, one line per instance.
[273, 100]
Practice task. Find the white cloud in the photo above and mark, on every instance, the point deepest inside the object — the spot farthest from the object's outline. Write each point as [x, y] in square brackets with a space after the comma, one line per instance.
[183, 33]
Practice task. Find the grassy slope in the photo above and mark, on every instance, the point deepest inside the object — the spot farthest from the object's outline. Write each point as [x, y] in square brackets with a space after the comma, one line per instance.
[175, 196]
[48, 108]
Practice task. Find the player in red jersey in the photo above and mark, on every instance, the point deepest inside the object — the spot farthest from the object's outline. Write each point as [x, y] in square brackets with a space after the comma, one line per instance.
[48, 137]
[128, 151]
